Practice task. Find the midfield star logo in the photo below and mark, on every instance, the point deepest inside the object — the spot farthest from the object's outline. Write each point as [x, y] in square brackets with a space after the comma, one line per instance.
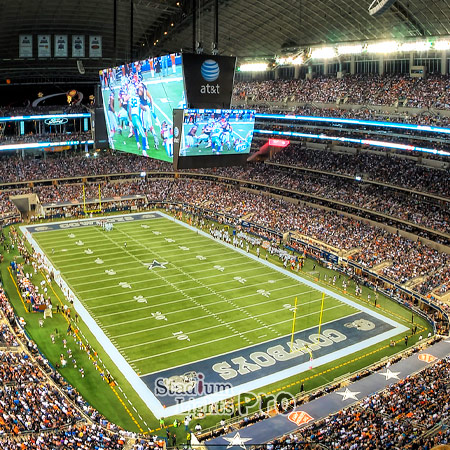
[155, 263]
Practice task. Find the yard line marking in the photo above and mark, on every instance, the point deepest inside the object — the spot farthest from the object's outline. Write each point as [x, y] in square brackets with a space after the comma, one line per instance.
[240, 287]
[124, 277]
[214, 340]
[201, 317]
[218, 294]
[169, 282]
[158, 305]
[128, 264]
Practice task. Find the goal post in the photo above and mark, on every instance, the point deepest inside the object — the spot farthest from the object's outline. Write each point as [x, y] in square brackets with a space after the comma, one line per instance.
[89, 211]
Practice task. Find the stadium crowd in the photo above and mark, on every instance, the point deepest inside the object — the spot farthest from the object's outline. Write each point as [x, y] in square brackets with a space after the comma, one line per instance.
[373, 197]
[14, 169]
[416, 210]
[389, 169]
[28, 110]
[367, 89]
[45, 137]
[364, 112]
[394, 418]
[407, 259]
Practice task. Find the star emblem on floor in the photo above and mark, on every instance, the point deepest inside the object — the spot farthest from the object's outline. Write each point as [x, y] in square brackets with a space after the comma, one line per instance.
[237, 441]
[388, 374]
[155, 263]
[348, 394]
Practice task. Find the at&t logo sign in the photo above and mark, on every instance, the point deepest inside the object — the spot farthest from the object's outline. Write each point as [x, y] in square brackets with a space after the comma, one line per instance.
[210, 72]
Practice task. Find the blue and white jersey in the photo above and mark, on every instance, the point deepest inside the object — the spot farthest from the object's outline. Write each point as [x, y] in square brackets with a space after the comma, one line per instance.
[134, 105]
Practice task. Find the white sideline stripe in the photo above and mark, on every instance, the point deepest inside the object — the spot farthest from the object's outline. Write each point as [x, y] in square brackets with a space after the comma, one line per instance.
[156, 406]
[209, 341]
[131, 333]
[194, 307]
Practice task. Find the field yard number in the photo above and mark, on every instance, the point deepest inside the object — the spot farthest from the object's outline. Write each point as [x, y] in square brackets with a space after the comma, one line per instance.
[289, 307]
[88, 251]
[79, 243]
[140, 299]
[125, 285]
[263, 292]
[240, 280]
[182, 247]
[220, 268]
[157, 233]
[159, 316]
[110, 272]
[170, 240]
[99, 261]
[145, 226]
[181, 336]
[200, 257]
[71, 235]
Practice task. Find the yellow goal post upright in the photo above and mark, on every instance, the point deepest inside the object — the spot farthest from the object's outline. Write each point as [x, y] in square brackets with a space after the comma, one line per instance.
[305, 348]
[99, 209]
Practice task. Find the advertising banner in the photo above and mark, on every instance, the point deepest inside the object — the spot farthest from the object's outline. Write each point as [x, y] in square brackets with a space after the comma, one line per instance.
[208, 80]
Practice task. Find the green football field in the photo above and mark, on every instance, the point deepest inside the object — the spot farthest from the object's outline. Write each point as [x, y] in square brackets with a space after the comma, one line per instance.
[168, 300]
[202, 282]
[167, 94]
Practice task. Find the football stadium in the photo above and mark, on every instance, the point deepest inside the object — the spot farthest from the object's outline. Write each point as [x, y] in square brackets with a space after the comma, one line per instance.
[224, 225]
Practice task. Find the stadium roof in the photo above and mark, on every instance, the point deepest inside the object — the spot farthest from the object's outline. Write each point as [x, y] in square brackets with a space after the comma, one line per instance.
[246, 28]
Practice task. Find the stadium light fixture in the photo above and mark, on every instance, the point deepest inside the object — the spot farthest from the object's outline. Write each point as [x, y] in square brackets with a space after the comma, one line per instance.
[253, 67]
[296, 60]
[442, 45]
[418, 46]
[349, 49]
[323, 53]
[383, 47]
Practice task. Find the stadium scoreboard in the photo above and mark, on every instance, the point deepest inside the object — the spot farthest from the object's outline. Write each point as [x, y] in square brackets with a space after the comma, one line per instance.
[176, 108]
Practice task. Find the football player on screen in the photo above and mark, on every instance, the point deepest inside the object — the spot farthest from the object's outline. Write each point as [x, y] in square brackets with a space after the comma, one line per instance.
[167, 138]
[147, 112]
[134, 109]
[191, 137]
[112, 119]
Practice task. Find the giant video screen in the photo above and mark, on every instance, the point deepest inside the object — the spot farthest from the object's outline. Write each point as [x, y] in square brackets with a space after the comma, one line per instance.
[216, 132]
[139, 99]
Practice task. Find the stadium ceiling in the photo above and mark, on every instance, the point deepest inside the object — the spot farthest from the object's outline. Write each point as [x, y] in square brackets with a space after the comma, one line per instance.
[257, 28]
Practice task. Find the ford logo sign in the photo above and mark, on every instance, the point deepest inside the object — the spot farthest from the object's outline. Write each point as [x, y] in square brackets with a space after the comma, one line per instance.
[56, 121]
